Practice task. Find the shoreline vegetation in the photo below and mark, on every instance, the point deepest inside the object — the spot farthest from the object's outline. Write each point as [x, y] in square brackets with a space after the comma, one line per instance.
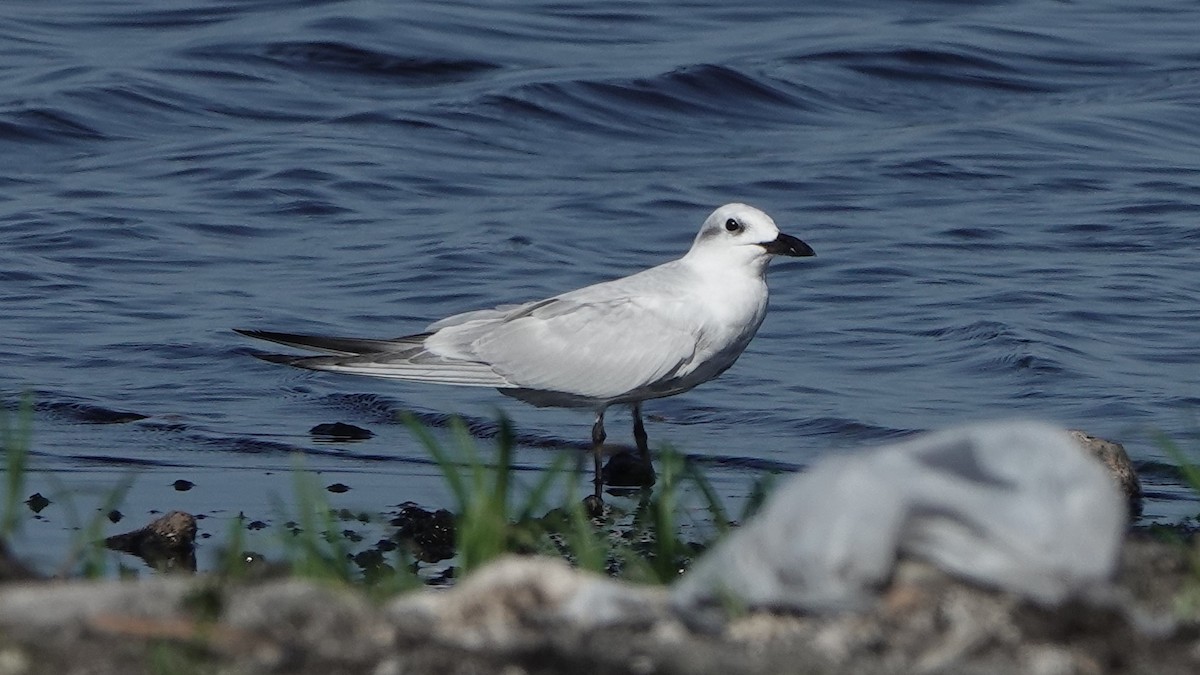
[536, 587]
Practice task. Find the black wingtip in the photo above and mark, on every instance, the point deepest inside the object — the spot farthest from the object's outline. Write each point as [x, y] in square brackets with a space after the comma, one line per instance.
[285, 359]
[287, 339]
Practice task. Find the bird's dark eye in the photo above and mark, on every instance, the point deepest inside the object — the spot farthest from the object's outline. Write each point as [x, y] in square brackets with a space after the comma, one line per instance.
[732, 225]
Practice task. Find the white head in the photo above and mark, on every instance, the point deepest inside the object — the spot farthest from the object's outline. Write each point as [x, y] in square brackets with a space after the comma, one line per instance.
[737, 233]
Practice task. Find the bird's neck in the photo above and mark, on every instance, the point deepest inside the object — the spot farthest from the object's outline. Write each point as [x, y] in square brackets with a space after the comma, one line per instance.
[735, 291]
[720, 265]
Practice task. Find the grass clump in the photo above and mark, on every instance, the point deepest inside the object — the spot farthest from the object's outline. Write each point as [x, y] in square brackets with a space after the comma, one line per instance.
[313, 546]
[491, 518]
[316, 545]
[497, 514]
[1187, 603]
[87, 555]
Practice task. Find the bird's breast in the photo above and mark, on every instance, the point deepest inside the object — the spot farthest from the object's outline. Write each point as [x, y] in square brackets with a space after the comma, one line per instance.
[731, 314]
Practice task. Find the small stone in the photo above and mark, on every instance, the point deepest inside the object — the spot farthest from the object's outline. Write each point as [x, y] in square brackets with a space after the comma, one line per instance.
[594, 506]
[168, 542]
[340, 431]
[429, 535]
[37, 502]
[625, 469]
[183, 485]
[1116, 460]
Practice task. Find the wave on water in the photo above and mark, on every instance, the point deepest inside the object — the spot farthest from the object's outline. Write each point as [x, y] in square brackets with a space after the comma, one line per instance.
[956, 68]
[340, 58]
[82, 412]
[46, 126]
[641, 107]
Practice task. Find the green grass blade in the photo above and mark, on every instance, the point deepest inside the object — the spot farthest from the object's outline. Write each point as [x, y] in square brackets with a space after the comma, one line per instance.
[712, 501]
[1189, 471]
[505, 445]
[449, 469]
[15, 441]
[541, 489]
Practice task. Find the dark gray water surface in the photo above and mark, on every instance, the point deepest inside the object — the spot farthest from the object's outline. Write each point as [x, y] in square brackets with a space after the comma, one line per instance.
[1004, 198]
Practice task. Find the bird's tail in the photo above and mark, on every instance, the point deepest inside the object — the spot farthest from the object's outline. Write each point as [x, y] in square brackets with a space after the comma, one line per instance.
[403, 358]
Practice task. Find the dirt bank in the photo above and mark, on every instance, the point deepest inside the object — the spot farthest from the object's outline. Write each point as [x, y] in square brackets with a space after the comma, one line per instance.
[536, 615]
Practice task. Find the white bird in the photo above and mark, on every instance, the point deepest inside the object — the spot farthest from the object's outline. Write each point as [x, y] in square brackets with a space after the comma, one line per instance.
[652, 334]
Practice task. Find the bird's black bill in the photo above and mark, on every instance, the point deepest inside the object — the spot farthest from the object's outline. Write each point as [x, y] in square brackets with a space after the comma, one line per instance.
[786, 244]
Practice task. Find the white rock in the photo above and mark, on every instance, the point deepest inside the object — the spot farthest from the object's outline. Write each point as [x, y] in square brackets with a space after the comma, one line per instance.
[508, 601]
[1009, 505]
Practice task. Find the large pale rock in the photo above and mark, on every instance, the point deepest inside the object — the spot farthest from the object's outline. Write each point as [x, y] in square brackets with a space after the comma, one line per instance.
[1014, 506]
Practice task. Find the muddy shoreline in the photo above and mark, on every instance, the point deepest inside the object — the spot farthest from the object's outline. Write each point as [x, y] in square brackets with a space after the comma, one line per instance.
[518, 613]
[538, 614]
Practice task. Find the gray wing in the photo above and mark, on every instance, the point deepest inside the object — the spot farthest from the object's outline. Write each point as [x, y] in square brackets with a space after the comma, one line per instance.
[602, 349]
[603, 341]
[498, 313]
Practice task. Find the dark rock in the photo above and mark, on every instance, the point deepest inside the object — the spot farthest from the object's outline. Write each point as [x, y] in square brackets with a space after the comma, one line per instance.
[37, 502]
[183, 485]
[340, 431]
[11, 567]
[626, 469]
[1116, 460]
[167, 543]
[429, 535]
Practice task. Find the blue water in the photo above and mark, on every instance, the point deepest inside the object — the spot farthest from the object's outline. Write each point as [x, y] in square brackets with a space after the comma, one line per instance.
[1003, 198]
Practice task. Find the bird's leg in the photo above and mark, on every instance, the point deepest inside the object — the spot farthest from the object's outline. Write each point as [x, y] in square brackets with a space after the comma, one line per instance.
[639, 433]
[643, 444]
[598, 437]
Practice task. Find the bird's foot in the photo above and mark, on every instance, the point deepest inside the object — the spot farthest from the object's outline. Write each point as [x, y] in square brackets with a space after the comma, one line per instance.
[593, 506]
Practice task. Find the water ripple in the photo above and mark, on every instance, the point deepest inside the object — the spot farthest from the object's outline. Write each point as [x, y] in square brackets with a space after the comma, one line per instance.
[1002, 197]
